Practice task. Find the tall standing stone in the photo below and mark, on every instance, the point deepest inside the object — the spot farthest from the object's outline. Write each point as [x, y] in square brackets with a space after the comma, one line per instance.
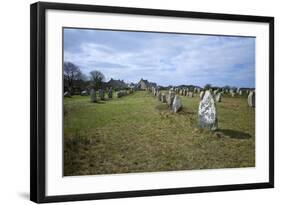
[101, 94]
[84, 93]
[157, 93]
[252, 99]
[238, 90]
[215, 92]
[67, 94]
[159, 96]
[154, 91]
[202, 94]
[207, 112]
[163, 98]
[93, 95]
[182, 92]
[232, 93]
[110, 93]
[218, 97]
[170, 98]
[177, 105]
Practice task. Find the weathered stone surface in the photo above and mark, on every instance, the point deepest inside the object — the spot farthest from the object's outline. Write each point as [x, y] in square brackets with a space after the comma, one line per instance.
[238, 90]
[101, 94]
[215, 92]
[207, 112]
[252, 99]
[84, 93]
[159, 96]
[157, 92]
[202, 94]
[110, 93]
[182, 92]
[177, 105]
[190, 94]
[163, 98]
[170, 98]
[218, 97]
[232, 93]
[67, 94]
[93, 95]
[119, 94]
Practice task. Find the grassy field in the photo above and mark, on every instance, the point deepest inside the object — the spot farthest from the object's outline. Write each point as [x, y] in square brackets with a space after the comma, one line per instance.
[137, 133]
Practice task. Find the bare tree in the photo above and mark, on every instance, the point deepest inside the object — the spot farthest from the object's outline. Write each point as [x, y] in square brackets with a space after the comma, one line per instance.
[97, 79]
[71, 74]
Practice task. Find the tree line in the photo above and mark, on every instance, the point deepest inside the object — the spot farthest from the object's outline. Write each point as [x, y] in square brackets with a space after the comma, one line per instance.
[76, 81]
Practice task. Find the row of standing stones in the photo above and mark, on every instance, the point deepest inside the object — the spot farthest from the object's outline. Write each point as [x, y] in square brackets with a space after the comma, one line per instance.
[172, 100]
[207, 111]
[119, 94]
[101, 94]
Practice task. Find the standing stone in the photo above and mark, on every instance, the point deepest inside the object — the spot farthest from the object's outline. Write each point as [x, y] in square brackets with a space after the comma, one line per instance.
[93, 95]
[218, 97]
[185, 92]
[190, 94]
[157, 92]
[177, 105]
[101, 94]
[182, 92]
[84, 93]
[240, 92]
[159, 96]
[163, 98]
[119, 94]
[110, 93]
[215, 92]
[67, 94]
[170, 98]
[154, 91]
[202, 94]
[207, 112]
[252, 99]
[232, 93]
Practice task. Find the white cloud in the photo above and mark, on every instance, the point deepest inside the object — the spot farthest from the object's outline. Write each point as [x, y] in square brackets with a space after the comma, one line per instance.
[171, 59]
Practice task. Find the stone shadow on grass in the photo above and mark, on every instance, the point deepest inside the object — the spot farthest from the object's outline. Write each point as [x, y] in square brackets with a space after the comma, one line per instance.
[100, 102]
[235, 134]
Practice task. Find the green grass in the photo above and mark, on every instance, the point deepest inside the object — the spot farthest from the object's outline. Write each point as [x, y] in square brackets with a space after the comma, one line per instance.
[137, 133]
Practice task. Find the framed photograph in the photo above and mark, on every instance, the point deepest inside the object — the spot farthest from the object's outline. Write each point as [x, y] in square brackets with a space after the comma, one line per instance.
[129, 102]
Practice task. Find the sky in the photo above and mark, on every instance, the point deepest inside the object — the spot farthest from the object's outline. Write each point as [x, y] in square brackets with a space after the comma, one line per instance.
[163, 58]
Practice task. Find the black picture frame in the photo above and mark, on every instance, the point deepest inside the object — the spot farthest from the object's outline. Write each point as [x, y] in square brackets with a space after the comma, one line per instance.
[38, 101]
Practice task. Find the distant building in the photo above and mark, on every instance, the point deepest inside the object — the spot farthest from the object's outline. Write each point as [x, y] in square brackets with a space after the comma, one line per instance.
[132, 85]
[145, 84]
[116, 84]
